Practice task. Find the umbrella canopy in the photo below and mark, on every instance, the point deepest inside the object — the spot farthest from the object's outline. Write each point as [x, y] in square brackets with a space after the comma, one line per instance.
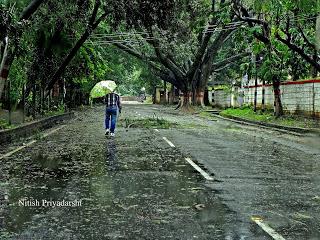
[102, 88]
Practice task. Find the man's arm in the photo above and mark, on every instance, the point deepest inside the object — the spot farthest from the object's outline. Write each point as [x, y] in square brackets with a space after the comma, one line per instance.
[119, 103]
[105, 99]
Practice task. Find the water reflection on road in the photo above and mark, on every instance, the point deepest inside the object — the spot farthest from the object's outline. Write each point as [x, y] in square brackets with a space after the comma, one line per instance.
[111, 156]
[131, 187]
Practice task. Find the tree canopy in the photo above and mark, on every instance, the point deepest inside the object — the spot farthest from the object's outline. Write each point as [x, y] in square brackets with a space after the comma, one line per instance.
[71, 45]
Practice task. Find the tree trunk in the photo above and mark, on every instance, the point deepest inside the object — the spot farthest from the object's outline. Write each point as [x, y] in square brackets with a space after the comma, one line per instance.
[165, 91]
[34, 93]
[255, 90]
[318, 33]
[4, 68]
[278, 110]
[263, 108]
[8, 57]
[66, 62]
[314, 71]
[204, 73]
[199, 97]
[196, 80]
[185, 103]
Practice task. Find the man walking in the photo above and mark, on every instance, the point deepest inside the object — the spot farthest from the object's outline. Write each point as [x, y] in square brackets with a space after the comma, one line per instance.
[113, 105]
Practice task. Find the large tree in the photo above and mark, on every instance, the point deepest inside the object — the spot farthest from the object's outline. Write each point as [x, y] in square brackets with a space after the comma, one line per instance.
[286, 29]
[117, 13]
[10, 35]
[184, 53]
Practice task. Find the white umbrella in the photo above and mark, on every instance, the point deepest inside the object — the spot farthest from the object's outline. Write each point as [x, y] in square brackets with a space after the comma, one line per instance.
[102, 88]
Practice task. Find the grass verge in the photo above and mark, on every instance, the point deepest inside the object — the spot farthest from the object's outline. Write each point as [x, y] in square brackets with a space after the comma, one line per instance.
[146, 123]
[286, 120]
[208, 115]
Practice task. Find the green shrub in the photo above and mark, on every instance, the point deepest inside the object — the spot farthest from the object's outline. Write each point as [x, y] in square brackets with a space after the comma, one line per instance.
[4, 124]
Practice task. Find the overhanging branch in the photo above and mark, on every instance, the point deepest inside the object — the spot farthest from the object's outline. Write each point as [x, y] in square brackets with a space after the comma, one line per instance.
[166, 61]
[229, 60]
[30, 9]
[300, 51]
[151, 61]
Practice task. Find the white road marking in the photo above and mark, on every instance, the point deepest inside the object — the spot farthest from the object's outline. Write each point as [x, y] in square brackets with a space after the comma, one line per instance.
[267, 229]
[170, 143]
[156, 130]
[17, 149]
[53, 131]
[203, 173]
[29, 143]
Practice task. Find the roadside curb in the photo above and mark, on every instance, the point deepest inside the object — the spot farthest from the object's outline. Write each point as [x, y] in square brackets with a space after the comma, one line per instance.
[28, 129]
[279, 128]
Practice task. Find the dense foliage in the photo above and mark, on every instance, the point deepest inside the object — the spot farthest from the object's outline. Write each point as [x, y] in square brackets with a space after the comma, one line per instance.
[58, 50]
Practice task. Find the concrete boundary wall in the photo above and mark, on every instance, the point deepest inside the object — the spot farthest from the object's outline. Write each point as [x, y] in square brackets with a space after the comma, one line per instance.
[221, 98]
[28, 129]
[129, 98]
[298, 97]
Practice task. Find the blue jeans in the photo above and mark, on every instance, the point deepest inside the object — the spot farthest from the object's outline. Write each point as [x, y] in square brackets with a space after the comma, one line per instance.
[111, 114]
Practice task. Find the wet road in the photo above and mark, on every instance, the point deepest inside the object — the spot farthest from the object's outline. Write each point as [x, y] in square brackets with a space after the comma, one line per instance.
[138, 187]
[258, 172]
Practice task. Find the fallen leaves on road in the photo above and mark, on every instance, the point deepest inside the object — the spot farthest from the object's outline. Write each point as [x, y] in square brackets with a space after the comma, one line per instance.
[199, 207]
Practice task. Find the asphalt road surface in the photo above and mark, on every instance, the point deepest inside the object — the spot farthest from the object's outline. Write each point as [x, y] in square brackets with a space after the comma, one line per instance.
[72, 182]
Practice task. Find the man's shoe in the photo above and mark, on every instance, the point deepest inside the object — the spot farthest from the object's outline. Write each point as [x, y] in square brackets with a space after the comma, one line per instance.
[112, 135]
[107, 132]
